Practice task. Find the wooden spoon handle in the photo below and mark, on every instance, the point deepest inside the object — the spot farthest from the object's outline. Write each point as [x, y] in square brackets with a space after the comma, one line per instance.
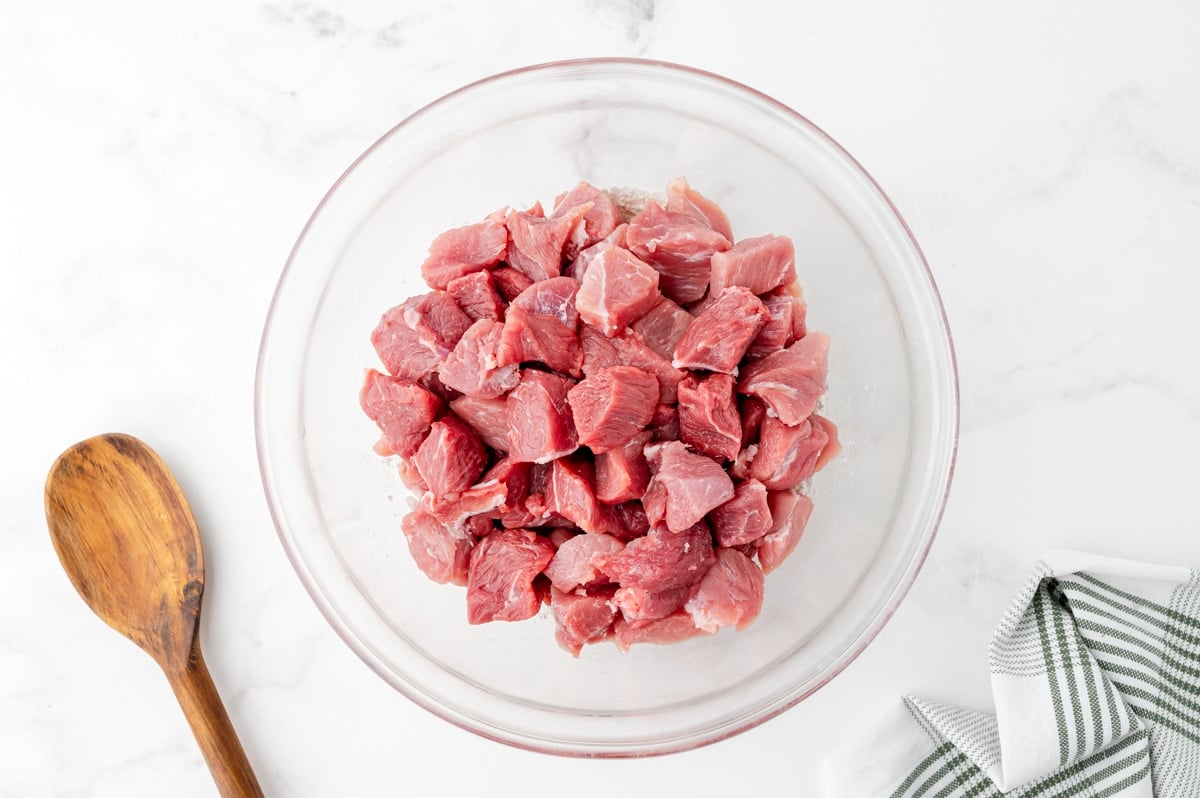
[210, 724]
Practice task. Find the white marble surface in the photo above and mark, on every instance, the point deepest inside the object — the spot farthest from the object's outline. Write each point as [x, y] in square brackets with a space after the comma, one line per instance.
[158, 159]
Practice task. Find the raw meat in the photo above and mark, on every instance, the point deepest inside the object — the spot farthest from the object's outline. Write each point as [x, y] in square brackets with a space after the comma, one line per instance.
[468, 512]
[501, 573]
[682, 198]
[787, 455]
[473, 366]
[451, 458]
[675, 628]
[729, 594]
[622, 472]
[679, 246]
[536, 243]
[643, 392]
[760, 264]
[638, 604]
[554, 297]
[476, 296]
[662, 559]
[580, 620]
[790, 512]
[515, 477]
[694, 484]
[441, 555]
[575, 563]
[571, 493]
[616, 289]
[745, 518]
[464, 250]
[532, 337]
[488, 417]
[663, 326]
[540, 426]
[578, 267]
[509, 282]
[401, 409]
[790, 381]
[708, 415]
[612, 405]
[601, 218]
[780, 329]
[753, 412]
[413, 337]
[718, 338]
[627, 349]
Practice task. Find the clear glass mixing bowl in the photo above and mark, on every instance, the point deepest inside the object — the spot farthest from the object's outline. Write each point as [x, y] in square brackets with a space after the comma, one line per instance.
[524, 136]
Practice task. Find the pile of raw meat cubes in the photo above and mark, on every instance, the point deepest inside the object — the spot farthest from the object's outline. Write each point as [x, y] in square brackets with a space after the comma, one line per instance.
[611, 413]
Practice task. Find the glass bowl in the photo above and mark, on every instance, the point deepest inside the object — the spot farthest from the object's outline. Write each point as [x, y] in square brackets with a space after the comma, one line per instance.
[523, 136]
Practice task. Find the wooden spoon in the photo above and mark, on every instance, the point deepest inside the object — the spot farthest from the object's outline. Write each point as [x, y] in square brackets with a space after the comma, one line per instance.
[129, 543]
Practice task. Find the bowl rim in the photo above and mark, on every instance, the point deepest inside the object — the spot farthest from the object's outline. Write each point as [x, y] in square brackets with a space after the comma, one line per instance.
[867, 635]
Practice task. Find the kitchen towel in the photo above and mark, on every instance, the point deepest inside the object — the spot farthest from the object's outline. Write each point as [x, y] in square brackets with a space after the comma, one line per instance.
[1095, 674]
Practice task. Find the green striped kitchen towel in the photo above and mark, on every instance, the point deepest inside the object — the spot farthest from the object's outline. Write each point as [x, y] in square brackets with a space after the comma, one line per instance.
[1096, 680]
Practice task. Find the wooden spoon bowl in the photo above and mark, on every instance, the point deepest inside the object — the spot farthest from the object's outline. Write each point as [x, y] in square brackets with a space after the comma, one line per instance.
[127, 540]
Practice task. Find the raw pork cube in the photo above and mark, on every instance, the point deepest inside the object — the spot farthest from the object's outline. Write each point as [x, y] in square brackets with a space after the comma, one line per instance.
[413, 337]
[488, 417]
[787, 455]
[509, 282]
[601, 218]
[709, 421]
[718, 338]
[409, 474]
[760, 264]
[780, 329]
[832, 447]
[663, 326]
[634, 522]
[730, 594]
[540, 426]
[616, 290]
[665, 424]
[675, 628]
[575, 563]
[790, 381]
[662, 559]
[515, 478]
[743, 519]
[682, 198]
[571, 493]
[790, 512]
[612, 405]
[468, 512]
[639, 604]
[476, 296]
[472, 367]
[578, 267]
[501, 573]
[440, 554]
[622, 473]
[627, 349]
[536, 243]
[679, 246]
[554, 297]
[451, 458]
[464, 250]
[753, 412]
[580, 620]
[401, 409]
[694, 484]
[533, 337]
